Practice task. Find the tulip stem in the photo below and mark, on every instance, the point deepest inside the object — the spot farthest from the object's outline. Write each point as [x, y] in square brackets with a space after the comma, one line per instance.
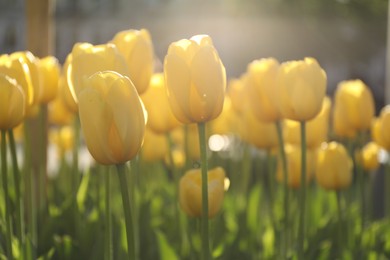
[302, 197]
[282, 153]
[16, 174]
[6, 194]
[108, 235]
[121, 170]
[340, 219]
[205, 206]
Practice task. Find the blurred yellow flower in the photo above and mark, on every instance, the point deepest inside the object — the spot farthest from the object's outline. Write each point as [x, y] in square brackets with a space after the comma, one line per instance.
[195, 78]
[293, 154]
[381, 128]
[316, 128]
[49, 72]
[12, 103]
[63, 138]
[155, 146]
[58, 113]
[137, 48]
[354, 107]
[112, 117]
[368, 156]
[190, 191]
[88, 59]
[263, 95]
[227, 122]
[160, 116]
[334, 167]
[301, 88]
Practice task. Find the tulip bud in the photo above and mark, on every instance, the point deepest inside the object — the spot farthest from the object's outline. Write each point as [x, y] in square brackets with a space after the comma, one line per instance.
[112, 117]
[195, 78]
[262, 89]
[380, 128]
[160, 116]
[155, 146]
[301, 88]
[49, 71]
[368, 156]
[354, 105]
[137, 48]
[334, 167]
[190, 191]
[58, 113]
[12, 103]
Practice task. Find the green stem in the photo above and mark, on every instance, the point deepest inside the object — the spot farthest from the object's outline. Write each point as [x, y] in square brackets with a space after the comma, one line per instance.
[6, 194]
[43, 159]
[302, 197]
[205, 202]
[19, 204]
[121, 170]
[340, 220]
[285, 187]
[108, 235]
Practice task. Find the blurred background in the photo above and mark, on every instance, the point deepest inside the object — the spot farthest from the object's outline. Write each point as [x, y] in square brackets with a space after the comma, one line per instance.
[348, 37]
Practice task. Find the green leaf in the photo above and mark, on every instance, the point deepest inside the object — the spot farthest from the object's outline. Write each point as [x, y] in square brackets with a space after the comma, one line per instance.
[253, 209]
[166, 251]
[82, 192]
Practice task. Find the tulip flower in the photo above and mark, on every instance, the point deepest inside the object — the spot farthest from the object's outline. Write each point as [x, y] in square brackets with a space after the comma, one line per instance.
[354, 105]
[317, 128]
[368, 156]
[380, 128]
[190, 191]
[160, 116]
[294, 165]
[301, 88]
[228, 121]
[334, 167]
[137, 48]
[49, 71]
[12, 103]
[195, 78]
[63, 138]
[263, 95]
[112, 117]
[87, 59]
[58, 113]
[155, 146]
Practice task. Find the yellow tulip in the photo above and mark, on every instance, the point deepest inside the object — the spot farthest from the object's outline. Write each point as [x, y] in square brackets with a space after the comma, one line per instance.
[301, 88]
[63, 138]
[155, 146]
[12, 103]
[58, 113]
[237, 93]
[263, 95]
[49, 71]
[137, 48]
[160, 116]
[294, 154]
[368, 156]
[112, 117]
[15, 68]
[316, 128]
[195, 78]
[227, 122]
[88, 59]
[178, 137]
[354, 105]
[381, 128]
[334, 167]
[190, 191]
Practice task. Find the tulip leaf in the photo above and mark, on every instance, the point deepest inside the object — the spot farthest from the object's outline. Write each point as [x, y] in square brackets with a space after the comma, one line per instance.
[253, 208]
[82, 191]
[166, 251]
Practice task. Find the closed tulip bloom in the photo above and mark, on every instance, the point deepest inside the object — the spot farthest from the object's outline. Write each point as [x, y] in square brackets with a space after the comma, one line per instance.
[237, 93]
[190, 191]
[227, 122]
[88, 59]
[368, 156]
[160, 116]
[262, 89]
[301, 88]
[155, 146]
[15, 68]
[12, 103]
[355, 104]
[316, 129]
[137, 48]
[195, 79]
[49, 71]
[112, 117]
[58, 113]
[334, 167]
[380, 128]
[294, 165]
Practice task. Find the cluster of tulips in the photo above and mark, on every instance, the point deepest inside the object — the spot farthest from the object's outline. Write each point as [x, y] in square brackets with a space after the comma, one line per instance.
[129, 111]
